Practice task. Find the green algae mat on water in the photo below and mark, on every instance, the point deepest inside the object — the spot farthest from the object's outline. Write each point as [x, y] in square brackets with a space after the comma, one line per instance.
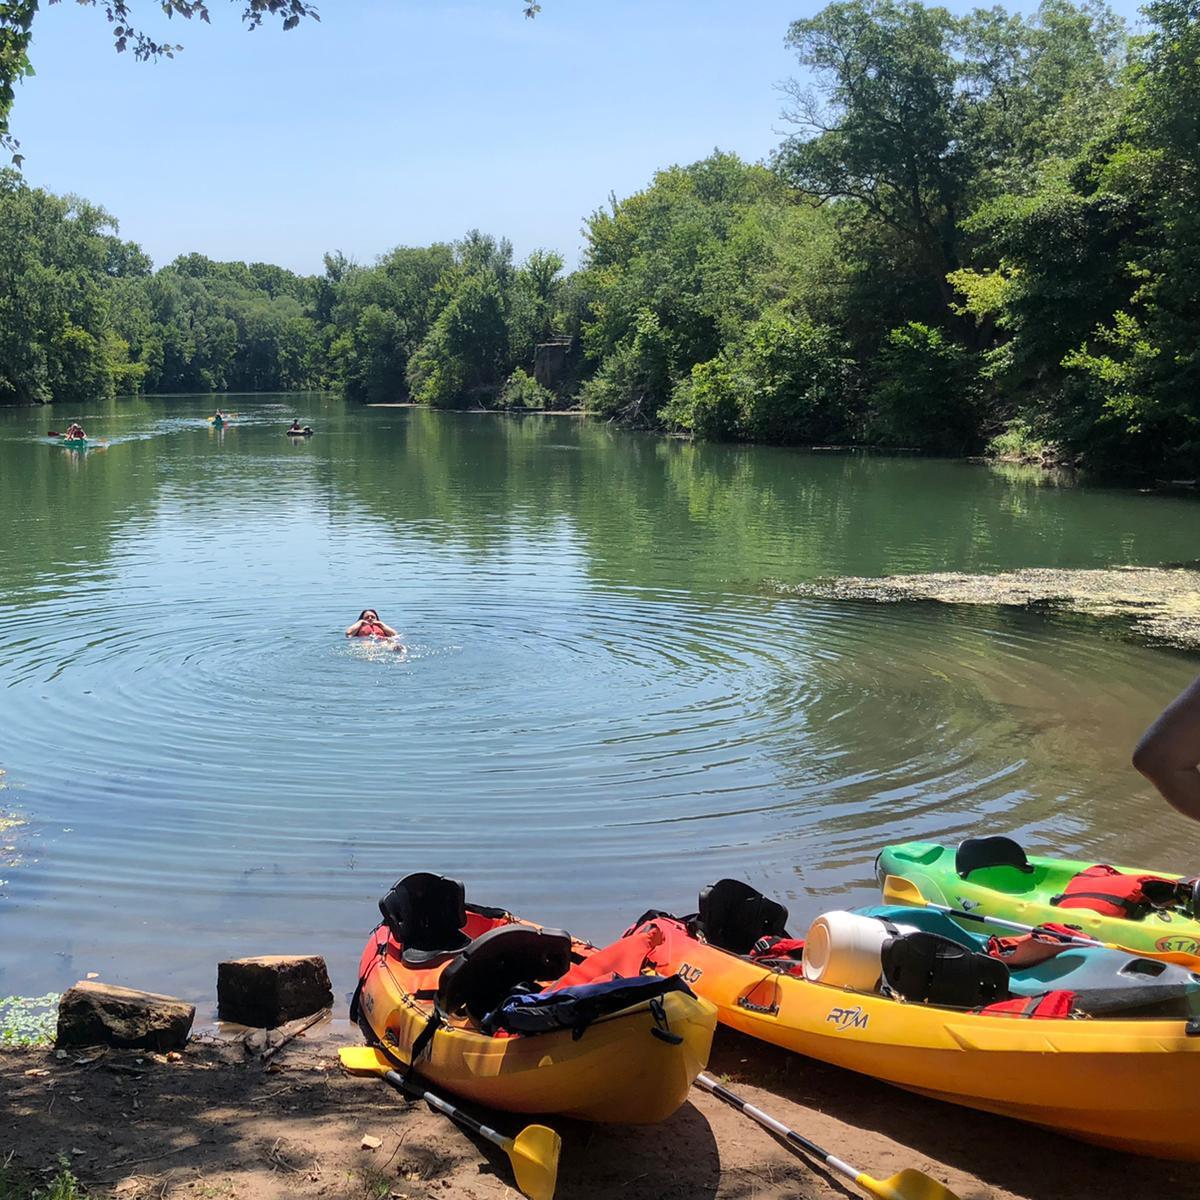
[598, 687]
[1158, 603]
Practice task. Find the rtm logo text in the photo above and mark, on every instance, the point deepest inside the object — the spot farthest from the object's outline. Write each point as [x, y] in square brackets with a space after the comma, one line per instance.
[688, 973]
[847, 1018]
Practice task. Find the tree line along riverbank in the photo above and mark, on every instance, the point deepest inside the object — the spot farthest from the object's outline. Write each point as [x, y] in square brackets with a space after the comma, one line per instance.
[981, 233]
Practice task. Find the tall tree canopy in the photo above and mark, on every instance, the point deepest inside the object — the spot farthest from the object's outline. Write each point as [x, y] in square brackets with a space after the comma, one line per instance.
[983, 229]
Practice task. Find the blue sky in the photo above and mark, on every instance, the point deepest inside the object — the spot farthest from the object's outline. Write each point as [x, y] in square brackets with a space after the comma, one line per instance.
[395, 121]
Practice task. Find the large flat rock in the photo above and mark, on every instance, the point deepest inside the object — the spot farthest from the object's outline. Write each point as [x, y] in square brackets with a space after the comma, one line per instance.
[101, 1013]
[272, 989]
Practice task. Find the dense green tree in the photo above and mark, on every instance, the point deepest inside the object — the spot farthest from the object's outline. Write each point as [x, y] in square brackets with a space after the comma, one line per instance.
[784, 380]
[59, 258]
[378, 316]
[466, 350]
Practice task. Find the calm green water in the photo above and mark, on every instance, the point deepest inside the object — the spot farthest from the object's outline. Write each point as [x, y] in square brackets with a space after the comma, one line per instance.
[605, 703]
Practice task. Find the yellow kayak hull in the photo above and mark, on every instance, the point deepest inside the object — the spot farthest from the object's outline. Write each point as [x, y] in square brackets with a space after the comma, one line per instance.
[621, 1070]
[1130, 1084]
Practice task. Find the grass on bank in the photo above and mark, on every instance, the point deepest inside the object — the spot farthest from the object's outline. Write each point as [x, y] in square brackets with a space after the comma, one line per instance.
[16, 1185]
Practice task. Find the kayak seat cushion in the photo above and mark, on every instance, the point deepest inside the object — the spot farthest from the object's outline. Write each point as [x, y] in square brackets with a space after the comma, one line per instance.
[734, 916]
[997, 851]
[926, 967]
[426, 914]
[498, 963]
[575, 1008]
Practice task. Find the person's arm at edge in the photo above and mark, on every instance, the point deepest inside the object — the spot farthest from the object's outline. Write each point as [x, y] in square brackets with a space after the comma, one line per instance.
[354, 629]
[1168, 753]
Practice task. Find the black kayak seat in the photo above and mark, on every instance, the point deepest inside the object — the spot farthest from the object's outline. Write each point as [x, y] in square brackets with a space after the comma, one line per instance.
[733, 916]
[426, 914]
[926, 967]
[499, 961]
[996, 851]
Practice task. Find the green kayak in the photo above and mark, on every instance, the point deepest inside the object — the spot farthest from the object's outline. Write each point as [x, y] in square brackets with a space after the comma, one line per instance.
[74, 443]
[994, 877]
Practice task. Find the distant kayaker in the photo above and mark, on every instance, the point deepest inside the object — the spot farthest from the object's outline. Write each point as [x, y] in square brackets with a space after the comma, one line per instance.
[296, 427]
[369, 625]
[1169, 752]
[75, 432]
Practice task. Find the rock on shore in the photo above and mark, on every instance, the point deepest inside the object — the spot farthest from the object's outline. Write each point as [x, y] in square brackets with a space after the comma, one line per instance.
[272, 989]
[100, 1013]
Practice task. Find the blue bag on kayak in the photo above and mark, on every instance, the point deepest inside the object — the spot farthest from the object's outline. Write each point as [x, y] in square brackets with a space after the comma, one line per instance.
[575, 1008]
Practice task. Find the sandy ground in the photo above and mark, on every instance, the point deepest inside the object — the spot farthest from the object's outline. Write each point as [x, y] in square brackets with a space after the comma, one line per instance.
[217, 1126]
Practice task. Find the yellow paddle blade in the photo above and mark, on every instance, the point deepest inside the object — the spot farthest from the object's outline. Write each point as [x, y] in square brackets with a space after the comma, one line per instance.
[898, 890]
[365, 1060]
[909, 1184]
[534, 1157]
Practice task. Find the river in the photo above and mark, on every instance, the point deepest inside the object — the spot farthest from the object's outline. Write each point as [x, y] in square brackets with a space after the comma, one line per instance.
[608, 699]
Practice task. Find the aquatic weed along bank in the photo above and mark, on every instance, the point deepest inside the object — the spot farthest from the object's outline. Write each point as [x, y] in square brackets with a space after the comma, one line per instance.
[605, 703]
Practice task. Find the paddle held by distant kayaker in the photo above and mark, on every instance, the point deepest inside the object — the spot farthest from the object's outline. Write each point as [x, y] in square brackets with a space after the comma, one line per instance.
[1169, 752]
[369, 625]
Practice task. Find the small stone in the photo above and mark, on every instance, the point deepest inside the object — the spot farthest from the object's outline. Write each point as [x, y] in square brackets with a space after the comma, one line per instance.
[370, 1142]
[91, 1014]
[174, 1056]
[255, 1042]
[271, 990]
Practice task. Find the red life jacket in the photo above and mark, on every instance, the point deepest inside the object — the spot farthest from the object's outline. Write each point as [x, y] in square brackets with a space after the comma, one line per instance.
[1031, 948]
[1050, 1006]
[1106, 890]
[782, 954]
[368, 629]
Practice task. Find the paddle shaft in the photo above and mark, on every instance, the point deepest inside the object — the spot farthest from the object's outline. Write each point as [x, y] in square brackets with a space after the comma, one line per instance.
[444, 1106]
[768, 1122]
[1069, 939]
[1001, 923]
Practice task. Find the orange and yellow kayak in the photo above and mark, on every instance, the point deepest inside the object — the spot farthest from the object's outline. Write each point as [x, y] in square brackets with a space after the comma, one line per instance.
[631, 1065]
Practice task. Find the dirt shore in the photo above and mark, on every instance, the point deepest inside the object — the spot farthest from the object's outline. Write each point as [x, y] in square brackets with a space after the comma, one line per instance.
[217, 1126]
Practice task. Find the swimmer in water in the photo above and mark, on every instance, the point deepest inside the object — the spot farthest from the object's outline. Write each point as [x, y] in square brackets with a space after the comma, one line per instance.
[369, 625]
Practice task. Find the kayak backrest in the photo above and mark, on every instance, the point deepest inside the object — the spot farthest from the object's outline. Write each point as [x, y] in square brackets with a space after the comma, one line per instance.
[498, 962]
[926, 967]
[974, 854]
[426, 914]
[733, 916]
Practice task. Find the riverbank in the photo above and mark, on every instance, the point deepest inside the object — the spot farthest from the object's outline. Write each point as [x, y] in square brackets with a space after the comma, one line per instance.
[1159, 604]
[212, 1124]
